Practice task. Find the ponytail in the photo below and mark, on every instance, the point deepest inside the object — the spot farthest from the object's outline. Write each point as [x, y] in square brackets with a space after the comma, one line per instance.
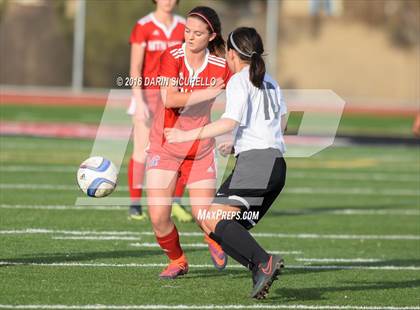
[257, 70]
[249, 47]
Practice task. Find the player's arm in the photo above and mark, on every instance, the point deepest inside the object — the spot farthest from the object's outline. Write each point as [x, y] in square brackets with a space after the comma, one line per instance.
[283, 123]
[214, 129]
[173, 98]
[136, 62]
[283, 110]
[136, 67]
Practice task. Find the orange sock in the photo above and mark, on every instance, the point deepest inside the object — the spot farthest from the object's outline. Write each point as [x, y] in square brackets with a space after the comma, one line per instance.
[135, 179]
[170, 244]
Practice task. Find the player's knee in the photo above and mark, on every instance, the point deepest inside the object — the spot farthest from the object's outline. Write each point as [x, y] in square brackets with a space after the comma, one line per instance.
[159, 222]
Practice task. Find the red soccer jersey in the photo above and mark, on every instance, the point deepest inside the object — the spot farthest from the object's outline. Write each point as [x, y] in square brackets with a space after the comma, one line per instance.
[156, 38]
[174, 65]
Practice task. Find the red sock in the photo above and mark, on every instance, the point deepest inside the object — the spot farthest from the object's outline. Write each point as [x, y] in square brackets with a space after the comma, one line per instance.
[135, 179]
[179, 188]
[170, 244]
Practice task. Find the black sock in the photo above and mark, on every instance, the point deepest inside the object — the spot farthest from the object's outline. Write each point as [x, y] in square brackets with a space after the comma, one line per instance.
[235, 237]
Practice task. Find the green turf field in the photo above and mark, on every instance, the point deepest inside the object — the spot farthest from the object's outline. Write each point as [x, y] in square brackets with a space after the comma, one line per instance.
[347, 224]
[350, 124]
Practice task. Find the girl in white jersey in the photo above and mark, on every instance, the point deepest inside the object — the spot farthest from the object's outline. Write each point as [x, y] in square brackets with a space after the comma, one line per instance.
[256, 112]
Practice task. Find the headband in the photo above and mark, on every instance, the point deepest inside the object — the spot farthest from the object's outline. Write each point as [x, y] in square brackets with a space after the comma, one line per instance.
[237, 48]
[203, 17]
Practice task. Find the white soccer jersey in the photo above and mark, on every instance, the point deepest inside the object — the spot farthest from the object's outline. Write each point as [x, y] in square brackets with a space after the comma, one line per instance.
[258, 112]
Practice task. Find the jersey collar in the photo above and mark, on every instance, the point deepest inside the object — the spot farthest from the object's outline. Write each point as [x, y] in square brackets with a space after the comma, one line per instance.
[199, 70]
[166, 31]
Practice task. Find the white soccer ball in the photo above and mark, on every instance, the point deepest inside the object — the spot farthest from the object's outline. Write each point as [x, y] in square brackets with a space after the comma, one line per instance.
[97, 176]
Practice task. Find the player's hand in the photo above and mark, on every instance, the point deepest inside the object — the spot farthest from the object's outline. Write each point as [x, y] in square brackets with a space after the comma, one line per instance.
[216, 89]
[142, 111]
[220, 84]
[174, 135]
[225, 148]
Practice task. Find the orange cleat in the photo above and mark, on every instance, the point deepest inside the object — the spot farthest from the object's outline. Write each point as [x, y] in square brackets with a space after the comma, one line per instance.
[217, 254]
[176, 268]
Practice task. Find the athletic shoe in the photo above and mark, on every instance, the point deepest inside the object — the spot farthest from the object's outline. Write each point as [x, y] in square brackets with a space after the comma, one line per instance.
[175, 268]
[136, 213]
[217, 254]
[265, 275]
[179, 213]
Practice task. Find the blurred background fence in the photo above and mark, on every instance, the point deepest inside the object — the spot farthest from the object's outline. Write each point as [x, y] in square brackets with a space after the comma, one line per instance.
[365, 51]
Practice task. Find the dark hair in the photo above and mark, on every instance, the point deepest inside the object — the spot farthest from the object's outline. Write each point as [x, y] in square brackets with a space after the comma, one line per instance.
[248, 44]
[211, 19]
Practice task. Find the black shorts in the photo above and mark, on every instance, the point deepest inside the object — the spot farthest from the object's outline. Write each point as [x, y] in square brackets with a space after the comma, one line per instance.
[254, 183]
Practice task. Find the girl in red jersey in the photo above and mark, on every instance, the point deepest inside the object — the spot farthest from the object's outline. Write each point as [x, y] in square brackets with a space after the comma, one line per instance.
[152, 34]
[196, 76]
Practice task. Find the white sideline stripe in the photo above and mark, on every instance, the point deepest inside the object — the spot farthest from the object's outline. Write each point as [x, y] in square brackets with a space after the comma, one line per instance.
[293, 190]
[97, 238]
[340, 260]
[286, 211]
[297, 175]
[203, 245]
[209, 307]
[200, 234]
[156, 265]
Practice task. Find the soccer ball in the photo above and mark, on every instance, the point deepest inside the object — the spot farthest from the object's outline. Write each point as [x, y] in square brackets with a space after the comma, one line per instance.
[97, 176]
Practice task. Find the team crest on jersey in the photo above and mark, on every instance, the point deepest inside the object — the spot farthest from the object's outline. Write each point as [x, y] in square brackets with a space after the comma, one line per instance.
[154, 161]
[155, 33]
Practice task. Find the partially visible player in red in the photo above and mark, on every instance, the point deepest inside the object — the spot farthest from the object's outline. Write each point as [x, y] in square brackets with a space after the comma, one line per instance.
[152, 35]
[196, 76]
[416, 125]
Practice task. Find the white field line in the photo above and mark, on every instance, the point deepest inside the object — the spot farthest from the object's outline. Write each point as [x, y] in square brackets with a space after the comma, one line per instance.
[159, 265]
[204, 245]
[63, 207]
[200, 234]
[38, 168]
[355, 176]
[352, 191]
[297, 175]
[39, 186]
[99, 238]
[377, 212]
[285, 211]
[339, 260]
[293, 190]
[208, 307]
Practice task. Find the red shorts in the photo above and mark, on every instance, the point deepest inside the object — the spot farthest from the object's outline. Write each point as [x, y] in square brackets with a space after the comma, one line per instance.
[190, 170]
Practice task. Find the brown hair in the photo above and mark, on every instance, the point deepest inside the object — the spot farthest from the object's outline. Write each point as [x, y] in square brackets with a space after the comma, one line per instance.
[211, 19]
